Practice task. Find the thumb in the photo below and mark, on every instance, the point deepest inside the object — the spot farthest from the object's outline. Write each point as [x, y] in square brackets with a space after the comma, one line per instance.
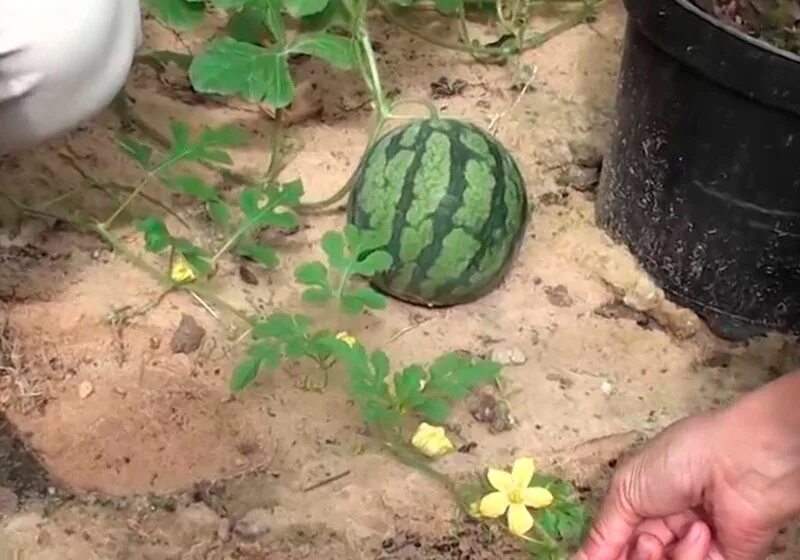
[613, 529]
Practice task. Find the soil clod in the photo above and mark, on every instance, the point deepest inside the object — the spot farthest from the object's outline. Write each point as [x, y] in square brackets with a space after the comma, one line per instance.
[188, 336]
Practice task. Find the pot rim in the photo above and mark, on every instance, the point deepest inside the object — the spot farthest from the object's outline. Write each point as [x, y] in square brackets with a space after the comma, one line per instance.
[741, 35]
[718, 52]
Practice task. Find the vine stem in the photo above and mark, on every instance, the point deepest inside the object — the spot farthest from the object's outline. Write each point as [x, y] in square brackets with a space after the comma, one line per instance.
[195, 289]
[481, 51]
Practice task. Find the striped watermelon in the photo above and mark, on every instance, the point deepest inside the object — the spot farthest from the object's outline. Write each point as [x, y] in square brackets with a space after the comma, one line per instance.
[452, 205]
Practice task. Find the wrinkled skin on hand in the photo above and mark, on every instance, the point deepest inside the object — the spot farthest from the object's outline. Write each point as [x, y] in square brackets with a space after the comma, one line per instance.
[716, 486]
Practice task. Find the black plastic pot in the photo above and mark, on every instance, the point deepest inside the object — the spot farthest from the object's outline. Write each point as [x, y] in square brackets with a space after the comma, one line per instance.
[702, 181]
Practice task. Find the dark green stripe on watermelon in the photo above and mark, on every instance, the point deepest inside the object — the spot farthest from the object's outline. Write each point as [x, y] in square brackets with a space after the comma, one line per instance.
[452, 204]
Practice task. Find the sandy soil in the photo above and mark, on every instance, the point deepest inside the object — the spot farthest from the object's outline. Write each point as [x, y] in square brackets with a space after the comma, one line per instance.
[157, 462]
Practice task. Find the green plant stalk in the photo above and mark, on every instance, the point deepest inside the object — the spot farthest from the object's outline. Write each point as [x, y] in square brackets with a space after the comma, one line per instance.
[503, 52]
[168, 282]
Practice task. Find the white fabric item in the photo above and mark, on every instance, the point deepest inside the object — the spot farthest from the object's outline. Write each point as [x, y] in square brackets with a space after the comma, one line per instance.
[61, 63]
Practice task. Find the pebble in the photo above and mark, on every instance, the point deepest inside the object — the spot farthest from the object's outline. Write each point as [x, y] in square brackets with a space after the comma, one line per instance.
[255, 523]
[24, 523]
[188, 336]
[85, 389]
[508, 356]
[224, 530]
[8, 502]
[199, 517]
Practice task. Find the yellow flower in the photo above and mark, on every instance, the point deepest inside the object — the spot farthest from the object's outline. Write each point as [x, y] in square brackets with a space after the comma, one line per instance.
[345, 337]
[515, 495]
[181, 272]
[432, 441]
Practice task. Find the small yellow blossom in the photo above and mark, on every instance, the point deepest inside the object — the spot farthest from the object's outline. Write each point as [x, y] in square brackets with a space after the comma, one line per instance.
[345, 337]
[432, 440]
[181, 271]
[515, 495]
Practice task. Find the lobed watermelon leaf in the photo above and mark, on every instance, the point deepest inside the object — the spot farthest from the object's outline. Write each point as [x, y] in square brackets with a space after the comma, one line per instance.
[346, 258]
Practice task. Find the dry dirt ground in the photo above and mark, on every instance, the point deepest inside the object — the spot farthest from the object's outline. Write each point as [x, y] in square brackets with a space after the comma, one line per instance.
[118, 448]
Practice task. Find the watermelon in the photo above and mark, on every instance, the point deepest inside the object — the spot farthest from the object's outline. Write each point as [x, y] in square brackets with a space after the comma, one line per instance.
[451, 204]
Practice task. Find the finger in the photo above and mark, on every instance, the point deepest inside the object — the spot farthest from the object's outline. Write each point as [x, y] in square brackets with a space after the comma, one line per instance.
[647, 547]
[670, 529]
[695, 543]
[614, 526]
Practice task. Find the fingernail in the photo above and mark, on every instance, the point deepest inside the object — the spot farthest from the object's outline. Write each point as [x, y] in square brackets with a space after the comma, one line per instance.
[695, 532]
[640, 551]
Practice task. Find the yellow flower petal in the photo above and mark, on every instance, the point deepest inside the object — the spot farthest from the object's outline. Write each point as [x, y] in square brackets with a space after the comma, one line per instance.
[181, 272]
[432, 440]
[537, 497]
[493, 505]
[345, 337]
[520, 520]
[523, 472]
[501, 481]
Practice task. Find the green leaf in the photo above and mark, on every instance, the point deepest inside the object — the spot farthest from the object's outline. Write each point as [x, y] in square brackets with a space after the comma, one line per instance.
[365, 297]
[283, 326]
[436, 411]
[449, 7]
[301, 8]
[262, 213]
[268, 354]
[454, 376]
[334, 49]
[378, 261]
[244, 374]
[317, 296]
[265, 256]
[141, 153]
[231, 67]
[206, 148]
[312, 274]
[156, 235]
[380, 363]
[259, 356]
[192, 186]
[273, 19]
[334, 16]
[247, 26]
[178, 14]
[197, 259]
[220, 213]
[333, 245]
[408, 385]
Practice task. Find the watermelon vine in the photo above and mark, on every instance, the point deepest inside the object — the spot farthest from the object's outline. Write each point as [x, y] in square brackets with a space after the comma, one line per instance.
[437, 209]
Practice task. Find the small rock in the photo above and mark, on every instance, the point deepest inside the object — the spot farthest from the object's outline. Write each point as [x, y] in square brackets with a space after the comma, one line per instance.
[486, 408]
[564, 382]
[247, 276]
[24, 523]
[585, 153]
[606, 387]
[559, 296]
[443, 87]
[8, 502]
[554, 198]
[188, 336]
[508, 356]
[718, 359]
[583, 179]
[199, 515]
[255, 523]
[85, 389]
[224, 530]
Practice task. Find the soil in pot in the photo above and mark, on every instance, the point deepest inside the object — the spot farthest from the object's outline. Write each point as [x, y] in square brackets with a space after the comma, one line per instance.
[773, 21]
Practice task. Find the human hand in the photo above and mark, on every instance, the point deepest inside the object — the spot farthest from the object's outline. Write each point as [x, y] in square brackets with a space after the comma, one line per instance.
[716, 486]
